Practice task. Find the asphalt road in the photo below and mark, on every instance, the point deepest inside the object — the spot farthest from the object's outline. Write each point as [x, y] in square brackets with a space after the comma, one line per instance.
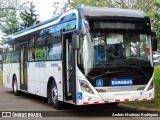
[27, 102]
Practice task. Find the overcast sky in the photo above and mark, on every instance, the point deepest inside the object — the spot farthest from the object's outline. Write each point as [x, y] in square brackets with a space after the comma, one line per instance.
[45, 8]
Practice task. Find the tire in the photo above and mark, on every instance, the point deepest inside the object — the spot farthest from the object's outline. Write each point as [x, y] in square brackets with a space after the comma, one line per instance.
[53, 95]
[15, 86]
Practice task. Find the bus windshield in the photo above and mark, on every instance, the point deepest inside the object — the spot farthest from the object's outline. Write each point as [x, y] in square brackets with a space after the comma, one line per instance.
[103, 49]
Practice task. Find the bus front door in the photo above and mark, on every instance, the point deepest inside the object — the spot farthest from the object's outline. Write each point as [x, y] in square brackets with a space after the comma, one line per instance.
[23, 67]
[68, 68]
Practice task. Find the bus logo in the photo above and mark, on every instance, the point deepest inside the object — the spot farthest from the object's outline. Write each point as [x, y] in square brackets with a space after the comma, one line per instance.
[99, 83]
[122, 82]
[6, 114]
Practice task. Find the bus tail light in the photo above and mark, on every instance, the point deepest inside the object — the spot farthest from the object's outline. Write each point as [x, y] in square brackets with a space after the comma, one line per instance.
[117, 100]
[136, 99]
[85, 103]
[148, 51]
[144, 98]
[96, 102]
[126, 100]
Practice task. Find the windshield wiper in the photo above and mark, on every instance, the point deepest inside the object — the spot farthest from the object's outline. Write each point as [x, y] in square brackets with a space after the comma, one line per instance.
[108, 72]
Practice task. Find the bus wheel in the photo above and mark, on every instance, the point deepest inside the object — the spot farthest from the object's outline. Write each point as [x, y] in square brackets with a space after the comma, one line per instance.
[54, 96]
[15, 86]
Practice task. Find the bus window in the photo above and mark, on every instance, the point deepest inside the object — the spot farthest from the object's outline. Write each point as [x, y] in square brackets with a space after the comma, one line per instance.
[139, 47]
[99, 53]
[40, 41]
[54, 52]
[16, 47]
[15, 57]
[31, 54]
[8, 57]
[40, 53]
[54, 38]
[31, 42]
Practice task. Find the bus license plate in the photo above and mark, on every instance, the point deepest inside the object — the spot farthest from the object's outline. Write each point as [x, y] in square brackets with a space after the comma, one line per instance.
[121, 82]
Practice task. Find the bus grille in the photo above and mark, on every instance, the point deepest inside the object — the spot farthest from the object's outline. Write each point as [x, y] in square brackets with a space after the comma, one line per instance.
[101, 90]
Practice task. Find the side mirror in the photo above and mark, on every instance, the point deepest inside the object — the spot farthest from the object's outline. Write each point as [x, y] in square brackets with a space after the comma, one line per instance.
[75, 42]
[154, 41]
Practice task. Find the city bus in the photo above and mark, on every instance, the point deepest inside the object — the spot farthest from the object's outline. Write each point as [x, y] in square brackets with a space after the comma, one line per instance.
[88, 55]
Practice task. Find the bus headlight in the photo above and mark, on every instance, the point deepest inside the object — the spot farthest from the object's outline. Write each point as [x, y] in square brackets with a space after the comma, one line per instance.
[85, 87]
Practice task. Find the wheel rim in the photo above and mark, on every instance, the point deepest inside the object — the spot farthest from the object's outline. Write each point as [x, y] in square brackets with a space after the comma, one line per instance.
[54, 94]
[15, 86]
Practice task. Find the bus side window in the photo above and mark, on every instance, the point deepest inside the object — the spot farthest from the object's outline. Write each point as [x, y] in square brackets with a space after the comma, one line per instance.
[54, 49]
[8, 58]
[40, 53]
[31, 49]
[54, 52]
[4, 58]
[15, 57]
[31, 54]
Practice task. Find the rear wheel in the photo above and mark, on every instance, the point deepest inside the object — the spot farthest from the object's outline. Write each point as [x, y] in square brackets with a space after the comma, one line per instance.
[15, 86]
[54, 96]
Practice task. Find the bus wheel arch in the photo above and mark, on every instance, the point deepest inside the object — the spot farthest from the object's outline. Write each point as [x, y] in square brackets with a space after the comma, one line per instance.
[15, 85]
[52, 94]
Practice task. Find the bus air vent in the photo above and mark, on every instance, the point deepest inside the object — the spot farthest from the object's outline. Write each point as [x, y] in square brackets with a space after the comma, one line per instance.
[101, 90]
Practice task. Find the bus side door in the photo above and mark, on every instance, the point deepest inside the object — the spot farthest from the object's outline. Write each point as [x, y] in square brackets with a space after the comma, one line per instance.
[23, 67]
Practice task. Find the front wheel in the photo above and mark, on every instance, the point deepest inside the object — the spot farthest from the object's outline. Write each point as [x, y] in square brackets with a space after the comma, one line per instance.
[54, 96]
[15, 86]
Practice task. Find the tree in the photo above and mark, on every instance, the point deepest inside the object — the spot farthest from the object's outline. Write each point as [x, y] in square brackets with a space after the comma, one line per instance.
[10, 23]
[9, 4]
[29, 16]
[7, 7]
[60, 7]
[15, 16]
[8, 15]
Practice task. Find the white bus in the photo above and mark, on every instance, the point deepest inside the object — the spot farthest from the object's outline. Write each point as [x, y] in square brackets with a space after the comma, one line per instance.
[85, 56]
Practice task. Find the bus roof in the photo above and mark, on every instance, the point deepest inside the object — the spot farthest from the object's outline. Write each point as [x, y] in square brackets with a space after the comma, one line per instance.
[113, 12]
[84, 11]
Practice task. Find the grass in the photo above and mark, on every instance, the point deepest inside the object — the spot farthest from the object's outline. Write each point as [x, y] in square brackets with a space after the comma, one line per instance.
[1, 77]
[155, 105]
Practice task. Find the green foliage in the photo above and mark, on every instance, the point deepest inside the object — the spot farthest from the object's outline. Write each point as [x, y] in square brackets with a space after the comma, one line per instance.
[28, 16]
[10, 23]
[8, 15]
[91, 3]
[15, 16]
